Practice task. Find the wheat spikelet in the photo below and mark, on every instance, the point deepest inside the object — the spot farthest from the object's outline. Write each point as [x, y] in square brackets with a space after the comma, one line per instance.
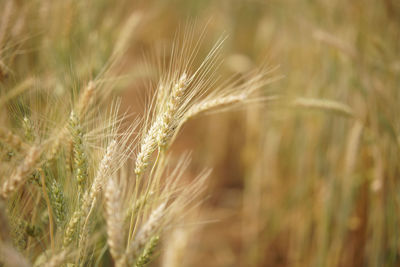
[20, 174]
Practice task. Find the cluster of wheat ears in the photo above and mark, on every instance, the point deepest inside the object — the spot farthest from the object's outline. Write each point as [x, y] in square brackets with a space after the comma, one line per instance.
[80, 180]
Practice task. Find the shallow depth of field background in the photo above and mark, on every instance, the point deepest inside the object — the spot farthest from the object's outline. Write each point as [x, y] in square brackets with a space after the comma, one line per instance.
[291, 186]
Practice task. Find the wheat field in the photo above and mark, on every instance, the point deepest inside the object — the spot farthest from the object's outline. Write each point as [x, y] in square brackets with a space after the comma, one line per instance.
[199, 133]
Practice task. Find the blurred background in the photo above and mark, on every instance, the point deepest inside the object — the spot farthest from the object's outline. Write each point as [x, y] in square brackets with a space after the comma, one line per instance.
[292, 184]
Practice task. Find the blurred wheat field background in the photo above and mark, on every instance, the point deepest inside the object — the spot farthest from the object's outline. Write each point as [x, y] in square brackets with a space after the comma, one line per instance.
[113, 113]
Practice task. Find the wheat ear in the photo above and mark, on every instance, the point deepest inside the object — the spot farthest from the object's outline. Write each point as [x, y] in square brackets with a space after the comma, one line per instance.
[148, 252]
[114, 219]
[160, 130]
[80, 159]
[324, 104]
[90, 197]
[71, 228]
[85, 99]
[58, 202]
[147, 147]
[213, 103]
[167, 117]
[18, 177]
[146, 232]
[103, 169]
[12, 139]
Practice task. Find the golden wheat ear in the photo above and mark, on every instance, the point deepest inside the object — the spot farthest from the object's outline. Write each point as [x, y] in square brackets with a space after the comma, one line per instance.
[185, 91]
[114, 220]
